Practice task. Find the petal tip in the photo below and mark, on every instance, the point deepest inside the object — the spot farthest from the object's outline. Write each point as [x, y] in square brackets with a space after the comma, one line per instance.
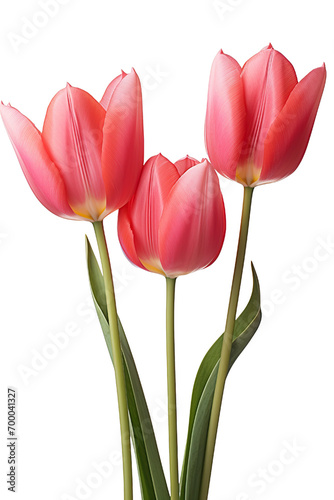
[187, 157]
[68, 89]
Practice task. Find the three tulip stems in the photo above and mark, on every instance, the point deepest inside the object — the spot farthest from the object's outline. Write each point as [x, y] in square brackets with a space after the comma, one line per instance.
[117, 359]
[227, 343]
[170, 351]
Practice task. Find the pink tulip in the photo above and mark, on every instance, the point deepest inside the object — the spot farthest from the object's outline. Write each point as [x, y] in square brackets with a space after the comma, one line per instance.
[87, 161]
[175, 223]
[259, 118]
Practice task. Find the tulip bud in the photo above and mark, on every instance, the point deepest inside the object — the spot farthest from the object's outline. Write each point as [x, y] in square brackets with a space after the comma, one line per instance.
[87, 161]
[259, 118]
[175, 223]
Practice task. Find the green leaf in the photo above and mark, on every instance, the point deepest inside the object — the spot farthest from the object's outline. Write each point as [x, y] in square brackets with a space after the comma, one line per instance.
[152, 479]
[201, 403]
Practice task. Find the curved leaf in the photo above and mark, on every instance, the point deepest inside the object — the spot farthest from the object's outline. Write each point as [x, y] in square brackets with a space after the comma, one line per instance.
[152, 480]
[201, 402]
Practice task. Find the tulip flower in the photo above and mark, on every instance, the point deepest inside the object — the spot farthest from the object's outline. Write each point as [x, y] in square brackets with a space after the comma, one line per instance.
[87, 161]
[258, 123]
[259, 118]
[175, 223]
[84, 165]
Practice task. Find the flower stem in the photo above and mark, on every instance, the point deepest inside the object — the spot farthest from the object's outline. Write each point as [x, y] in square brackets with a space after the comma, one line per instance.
[227, 344]
[117, 359]
[171, 388]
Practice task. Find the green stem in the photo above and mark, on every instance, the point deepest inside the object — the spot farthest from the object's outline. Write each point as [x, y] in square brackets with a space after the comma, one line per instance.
[171, 388]
[117, 359]
[227, 344]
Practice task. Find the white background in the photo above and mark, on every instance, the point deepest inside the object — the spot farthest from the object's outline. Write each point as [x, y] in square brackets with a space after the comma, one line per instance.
[280, 390]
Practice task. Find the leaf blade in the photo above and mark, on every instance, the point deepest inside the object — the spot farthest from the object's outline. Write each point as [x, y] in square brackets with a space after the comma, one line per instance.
[152, 480]
[245, 327]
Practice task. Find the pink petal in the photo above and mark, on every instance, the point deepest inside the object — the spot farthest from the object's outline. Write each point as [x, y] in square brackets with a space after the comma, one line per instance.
[125, 235]
[185, 163]
[158, 177]
[225, 115]
[72, 135]
[288, 136]
[192, 227]
[268, 79]
[40, 172]
[123, 142]
[110, 90]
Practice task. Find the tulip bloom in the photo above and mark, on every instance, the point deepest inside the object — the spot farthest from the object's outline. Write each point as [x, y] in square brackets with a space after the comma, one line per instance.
[87, 161]
[84, 165]
[175, 223]
[259, 118]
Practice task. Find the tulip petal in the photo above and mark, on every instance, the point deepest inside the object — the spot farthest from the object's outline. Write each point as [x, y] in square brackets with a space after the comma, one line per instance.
[72, 135]
[185, 163]
[225, 115]
[41, 173]
[192, 226]
[126, 237]
[158, 177]
[110, 90]
[268, 79]
[123, 142]
[288, 136]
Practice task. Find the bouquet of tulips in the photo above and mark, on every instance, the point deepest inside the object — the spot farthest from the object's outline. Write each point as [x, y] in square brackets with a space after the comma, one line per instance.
[88, 162]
